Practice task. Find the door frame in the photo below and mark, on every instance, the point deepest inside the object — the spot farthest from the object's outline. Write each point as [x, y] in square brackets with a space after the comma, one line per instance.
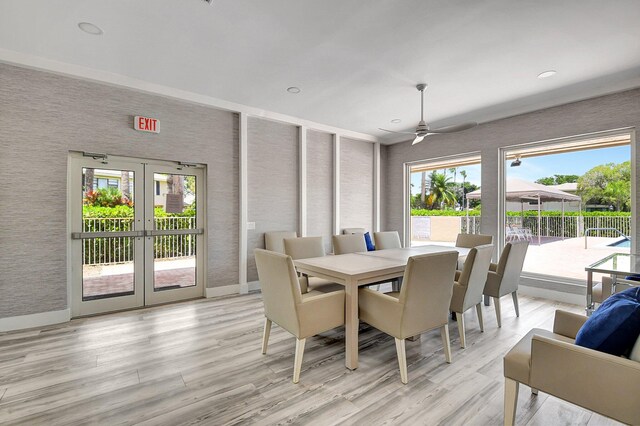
[75, 158]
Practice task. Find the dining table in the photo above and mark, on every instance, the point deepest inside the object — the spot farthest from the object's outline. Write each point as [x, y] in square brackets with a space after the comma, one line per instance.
[354, 270]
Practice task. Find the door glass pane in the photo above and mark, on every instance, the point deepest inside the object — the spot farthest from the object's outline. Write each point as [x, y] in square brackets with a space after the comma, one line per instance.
[107, 206]
[107, 269]
[174, 210]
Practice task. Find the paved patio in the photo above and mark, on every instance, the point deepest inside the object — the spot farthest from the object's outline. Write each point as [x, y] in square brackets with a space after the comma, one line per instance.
[566, 258]
[113, 279]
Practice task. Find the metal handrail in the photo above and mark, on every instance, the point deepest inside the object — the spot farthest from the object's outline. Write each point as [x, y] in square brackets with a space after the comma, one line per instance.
[586, 233]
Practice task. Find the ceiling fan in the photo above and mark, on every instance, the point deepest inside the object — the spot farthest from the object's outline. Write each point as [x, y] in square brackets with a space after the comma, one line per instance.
[423, 129]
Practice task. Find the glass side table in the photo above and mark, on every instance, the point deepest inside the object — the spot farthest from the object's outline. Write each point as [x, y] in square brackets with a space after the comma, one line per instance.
[616, 264]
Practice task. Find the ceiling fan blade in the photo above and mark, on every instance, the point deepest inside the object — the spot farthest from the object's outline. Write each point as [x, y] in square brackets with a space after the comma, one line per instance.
[393, 131]
[417, 140]
[453, 129]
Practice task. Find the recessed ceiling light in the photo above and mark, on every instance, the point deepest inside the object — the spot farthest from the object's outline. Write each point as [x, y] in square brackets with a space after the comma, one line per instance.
[90, 28]
[547, 74]
[396, 121]
[293, 89]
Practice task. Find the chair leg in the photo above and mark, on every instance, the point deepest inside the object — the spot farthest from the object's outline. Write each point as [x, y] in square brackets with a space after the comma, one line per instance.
[514, 295]
[496, 301]
[460, 319]
[510, 401]
[479, 312]
[297, 363]
[402, 360]
[265, 335]
[444, 333]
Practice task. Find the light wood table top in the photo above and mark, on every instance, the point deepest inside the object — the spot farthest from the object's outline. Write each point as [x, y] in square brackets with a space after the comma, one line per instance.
[357, 269]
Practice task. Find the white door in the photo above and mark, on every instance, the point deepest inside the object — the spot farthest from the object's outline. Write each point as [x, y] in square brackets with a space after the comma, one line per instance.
[137, 232]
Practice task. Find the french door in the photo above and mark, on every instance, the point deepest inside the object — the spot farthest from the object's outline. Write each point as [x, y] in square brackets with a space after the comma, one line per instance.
[137, 232]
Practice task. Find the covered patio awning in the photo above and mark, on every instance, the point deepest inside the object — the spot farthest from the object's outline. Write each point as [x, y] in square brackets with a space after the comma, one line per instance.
[525, 191]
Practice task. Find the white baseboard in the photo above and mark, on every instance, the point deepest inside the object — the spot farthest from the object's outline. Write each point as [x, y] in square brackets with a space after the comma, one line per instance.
[34, 320]
[225, 290]
[559, 296]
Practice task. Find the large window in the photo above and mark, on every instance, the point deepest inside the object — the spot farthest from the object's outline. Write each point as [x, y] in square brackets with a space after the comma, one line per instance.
[439, 206]
[571, 201]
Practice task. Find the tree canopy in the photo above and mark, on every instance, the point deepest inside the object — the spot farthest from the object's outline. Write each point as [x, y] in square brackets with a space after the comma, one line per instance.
[607, 184]
[558, 179]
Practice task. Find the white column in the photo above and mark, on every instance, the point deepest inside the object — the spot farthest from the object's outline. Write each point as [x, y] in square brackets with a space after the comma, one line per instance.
[336, 184]
[242, 244]
[376, 187]
[302, 139]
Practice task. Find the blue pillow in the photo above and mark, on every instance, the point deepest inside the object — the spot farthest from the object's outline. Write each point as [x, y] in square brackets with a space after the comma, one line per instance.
[635, 277]
[614, 327]
[367, 240]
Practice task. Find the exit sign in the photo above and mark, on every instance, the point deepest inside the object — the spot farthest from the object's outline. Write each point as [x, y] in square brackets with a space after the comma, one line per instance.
[146, 124]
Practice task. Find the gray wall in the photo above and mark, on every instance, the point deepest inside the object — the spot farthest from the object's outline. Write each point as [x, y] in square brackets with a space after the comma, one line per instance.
[598, 114]
[356, 184]
[320, 186]
[272, 183]
[43, 116]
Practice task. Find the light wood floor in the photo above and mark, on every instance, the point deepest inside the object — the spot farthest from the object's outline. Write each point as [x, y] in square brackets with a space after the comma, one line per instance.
[200, 362]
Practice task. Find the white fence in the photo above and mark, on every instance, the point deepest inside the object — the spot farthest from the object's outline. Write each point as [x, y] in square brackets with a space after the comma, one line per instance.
[550, 226]
[102, 251]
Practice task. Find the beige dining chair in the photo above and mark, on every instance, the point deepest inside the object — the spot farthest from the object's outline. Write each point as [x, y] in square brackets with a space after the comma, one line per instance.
[468, 286]
[303, 315]
[305, 248]
[386, 240]
[608, 286]
[351, 243]
[274, 240]
[503, 278]
[421, 305]
[473, 240]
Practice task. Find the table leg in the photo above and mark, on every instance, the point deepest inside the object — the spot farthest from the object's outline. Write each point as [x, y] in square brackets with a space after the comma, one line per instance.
[487, 301]
[589, 309]
[351, 324]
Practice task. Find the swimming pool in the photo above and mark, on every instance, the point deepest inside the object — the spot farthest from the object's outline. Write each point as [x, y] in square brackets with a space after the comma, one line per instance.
[621, 243]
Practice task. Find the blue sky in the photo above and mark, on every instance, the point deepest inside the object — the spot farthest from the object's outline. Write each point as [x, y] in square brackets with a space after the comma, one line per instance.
[571, 163]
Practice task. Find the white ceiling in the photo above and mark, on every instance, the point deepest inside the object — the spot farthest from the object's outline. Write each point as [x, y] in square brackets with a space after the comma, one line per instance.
[357, 62]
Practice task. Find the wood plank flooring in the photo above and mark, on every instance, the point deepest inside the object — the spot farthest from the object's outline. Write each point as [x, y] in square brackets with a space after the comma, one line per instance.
[200, 362]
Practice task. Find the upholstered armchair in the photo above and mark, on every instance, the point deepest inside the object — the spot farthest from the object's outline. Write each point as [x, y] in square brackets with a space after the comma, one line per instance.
[550, 362]
[274, 240]
[468, 286]
[421, 305]
[503, 278]
[304, 248]
[386, 240]
[303, 315]
[605, 289]
[349, 243]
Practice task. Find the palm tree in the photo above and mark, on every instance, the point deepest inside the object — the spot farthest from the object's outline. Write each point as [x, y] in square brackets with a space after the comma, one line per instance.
[463, 173]
[454, 171]
[423, 188]
[441, 190]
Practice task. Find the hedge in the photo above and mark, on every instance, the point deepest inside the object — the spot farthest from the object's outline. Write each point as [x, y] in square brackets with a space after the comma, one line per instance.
[527, 213]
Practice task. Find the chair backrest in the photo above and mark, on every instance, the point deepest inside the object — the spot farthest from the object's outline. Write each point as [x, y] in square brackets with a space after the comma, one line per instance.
[352, 243]
[280, 289]
[474, 274]
[426, 291]
[273, 240]
[304, 247]
[386, 240]
[473, 240]
[348, 231]
[510, 265]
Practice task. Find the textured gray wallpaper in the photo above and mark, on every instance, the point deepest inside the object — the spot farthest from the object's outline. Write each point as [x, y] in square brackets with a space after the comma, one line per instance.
[598, 114]
[43, 116]
[320, 186]
[356, 184]
[272, 182]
